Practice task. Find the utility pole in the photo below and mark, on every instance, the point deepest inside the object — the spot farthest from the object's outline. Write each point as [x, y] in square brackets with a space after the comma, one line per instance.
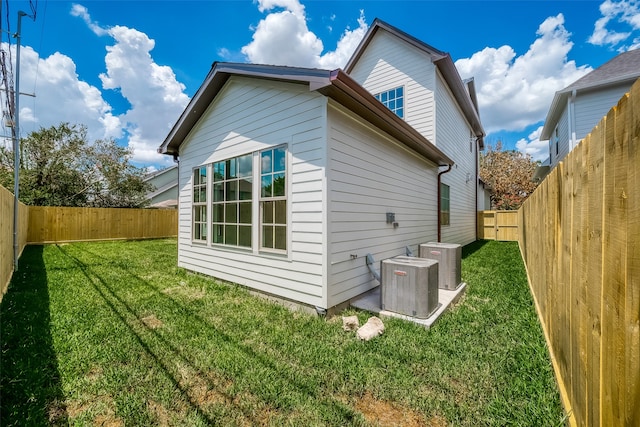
[16, 149]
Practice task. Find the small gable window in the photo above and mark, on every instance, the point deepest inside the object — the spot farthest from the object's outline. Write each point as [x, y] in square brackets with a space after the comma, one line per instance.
[393, 99]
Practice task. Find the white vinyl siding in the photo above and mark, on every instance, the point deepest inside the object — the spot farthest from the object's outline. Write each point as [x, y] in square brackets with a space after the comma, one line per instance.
[370, 174]
[248, 116]
[388, 63]
[452, 136]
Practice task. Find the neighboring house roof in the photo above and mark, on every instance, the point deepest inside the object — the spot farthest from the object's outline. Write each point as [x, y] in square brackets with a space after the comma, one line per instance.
[463, 92]
[335, 84]
[624, 68]
[157, 173]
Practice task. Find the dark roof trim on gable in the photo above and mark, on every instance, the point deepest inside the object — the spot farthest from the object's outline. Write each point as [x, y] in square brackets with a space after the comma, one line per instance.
[443, 62]
[335, 84]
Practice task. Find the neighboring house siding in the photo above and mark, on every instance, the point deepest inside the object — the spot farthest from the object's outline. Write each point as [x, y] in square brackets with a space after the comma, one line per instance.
[388, 63]
[563, 139]
[592, 106]
[370, 175]
[250, 115]
[165, 185]
[453, 135]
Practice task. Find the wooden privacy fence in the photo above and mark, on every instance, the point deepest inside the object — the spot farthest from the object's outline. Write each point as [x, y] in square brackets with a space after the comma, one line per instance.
[580, 240]
[6, 235]
[49, 224]
[498, 225]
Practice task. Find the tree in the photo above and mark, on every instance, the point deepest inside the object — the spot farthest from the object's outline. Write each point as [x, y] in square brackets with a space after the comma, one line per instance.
[508, 173]
[60, 168]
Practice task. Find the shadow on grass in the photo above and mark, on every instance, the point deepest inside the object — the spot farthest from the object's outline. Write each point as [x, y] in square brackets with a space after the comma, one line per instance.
[473, 247]
[30, 388]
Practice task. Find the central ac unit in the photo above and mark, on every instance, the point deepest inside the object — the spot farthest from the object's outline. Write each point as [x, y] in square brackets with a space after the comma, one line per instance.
[449, 256]
[409, 286]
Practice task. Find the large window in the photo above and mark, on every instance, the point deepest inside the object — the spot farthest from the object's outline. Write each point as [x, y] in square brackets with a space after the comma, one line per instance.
[231, 204]
[273, 199]
[200, 204]
[445, 209]
[393, 99]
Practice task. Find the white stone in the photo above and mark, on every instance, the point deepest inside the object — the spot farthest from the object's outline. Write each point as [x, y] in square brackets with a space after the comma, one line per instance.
[350, 323]
[371, 329]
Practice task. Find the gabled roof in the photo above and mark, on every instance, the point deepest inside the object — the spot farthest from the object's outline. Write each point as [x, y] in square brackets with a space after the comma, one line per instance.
[335, 84]
[441, 60]
[621, 69]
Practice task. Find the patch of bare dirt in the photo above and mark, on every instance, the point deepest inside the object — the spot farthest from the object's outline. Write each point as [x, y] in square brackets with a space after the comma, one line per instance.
[102, 404]
[152, 322]
[57, 411]
[388, 414]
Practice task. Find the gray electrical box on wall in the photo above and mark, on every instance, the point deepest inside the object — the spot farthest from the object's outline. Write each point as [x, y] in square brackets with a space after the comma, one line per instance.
[409, 286]
[449, 256]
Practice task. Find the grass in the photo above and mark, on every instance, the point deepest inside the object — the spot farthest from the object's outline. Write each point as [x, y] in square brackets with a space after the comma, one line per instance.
[114, 334]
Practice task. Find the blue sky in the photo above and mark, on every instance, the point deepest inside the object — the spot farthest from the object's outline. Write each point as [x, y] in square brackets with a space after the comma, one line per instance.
[127, 69]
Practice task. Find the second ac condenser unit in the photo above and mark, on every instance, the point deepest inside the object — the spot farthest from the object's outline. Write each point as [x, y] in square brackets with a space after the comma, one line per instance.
[449, 256]
[409, 286]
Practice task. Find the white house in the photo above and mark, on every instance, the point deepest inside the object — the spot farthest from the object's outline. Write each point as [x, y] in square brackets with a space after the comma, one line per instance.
[576, 109]
[290, 176]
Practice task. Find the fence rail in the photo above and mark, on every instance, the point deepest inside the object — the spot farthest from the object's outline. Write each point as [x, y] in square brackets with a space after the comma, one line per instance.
[498, 225]
[580, 240]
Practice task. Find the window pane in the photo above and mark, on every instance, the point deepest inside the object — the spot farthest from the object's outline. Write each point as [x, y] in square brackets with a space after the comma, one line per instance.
[231, 234]
[218, 171]
[245, 189]
[196, 195]
[231, 169]
[232, 190]
[281, 238]
[280, 159]
[231, 213]
[383, 97]
[267, 236]
[245, 213]
[281, 212]
[203, 231]
[265, 162]
[400, 112]
[267, 186]
[267, 212]
[203, 194]
[218, 192]
[400, 92]
[218, 233]
[278, 185]
[392, 105]
[218, 212]
[200, 213]
[244, 236]
[245, 165]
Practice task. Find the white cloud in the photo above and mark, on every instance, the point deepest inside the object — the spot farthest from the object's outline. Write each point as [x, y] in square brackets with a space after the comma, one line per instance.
[60, 96]
[539, 150]
[288, 27]
[617, 13]
[516, 91]
[156, 97]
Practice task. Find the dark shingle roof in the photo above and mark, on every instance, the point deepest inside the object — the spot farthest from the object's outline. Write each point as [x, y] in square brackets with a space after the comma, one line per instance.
[625, 66]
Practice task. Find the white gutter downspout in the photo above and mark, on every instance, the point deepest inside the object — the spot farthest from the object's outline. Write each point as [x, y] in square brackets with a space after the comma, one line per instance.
[572, 120]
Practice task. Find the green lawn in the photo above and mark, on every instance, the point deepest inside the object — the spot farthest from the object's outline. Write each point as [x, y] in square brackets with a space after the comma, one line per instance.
[114, 334]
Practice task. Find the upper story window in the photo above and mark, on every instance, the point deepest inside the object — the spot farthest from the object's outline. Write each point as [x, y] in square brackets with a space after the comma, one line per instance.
[393, 99]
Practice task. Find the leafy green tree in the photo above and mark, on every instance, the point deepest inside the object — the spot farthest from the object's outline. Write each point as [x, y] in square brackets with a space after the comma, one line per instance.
[508, 173]
[60, 168]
